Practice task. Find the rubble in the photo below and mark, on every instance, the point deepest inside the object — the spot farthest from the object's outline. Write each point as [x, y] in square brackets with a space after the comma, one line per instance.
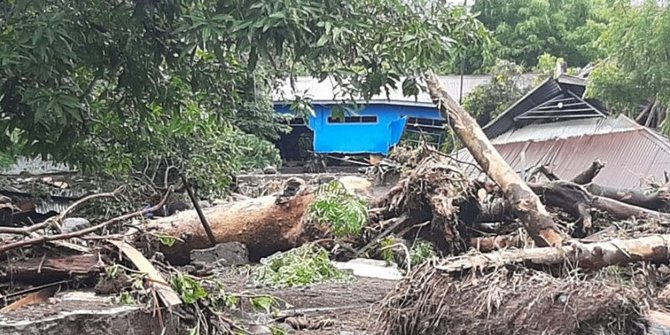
[497, 255]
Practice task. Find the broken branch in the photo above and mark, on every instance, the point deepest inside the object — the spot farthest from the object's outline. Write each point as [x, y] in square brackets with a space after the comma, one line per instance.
[47, 238]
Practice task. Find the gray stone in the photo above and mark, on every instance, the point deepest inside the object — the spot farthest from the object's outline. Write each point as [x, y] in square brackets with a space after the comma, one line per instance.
[223, 254]
[260, 330]
[70, 225]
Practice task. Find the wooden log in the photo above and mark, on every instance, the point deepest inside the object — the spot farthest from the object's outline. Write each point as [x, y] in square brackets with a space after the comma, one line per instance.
[51, 268]
[591, 256]
[658, 201]
[577, 201]
[265, 225]
[587, 175]
[566, 195]
[526, 204]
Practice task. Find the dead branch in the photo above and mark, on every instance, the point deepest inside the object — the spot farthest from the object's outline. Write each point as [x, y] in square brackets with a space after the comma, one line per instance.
[571, 197]
[587, 175]
[47, 238]
[27, 230]
[659, 200]
[526, 204]
[591, 256]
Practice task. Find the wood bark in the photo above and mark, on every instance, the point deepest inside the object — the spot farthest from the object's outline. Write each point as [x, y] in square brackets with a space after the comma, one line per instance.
[658, 201]
[586, 256]
[265, 225]
[51, 268]
[587, 175]
[525, 203]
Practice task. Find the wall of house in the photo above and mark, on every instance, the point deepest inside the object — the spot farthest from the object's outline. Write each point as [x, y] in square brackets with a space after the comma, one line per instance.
[374, 129]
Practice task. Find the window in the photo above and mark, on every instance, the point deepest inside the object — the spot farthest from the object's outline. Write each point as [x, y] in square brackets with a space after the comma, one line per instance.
[354, 119]
[413, 121]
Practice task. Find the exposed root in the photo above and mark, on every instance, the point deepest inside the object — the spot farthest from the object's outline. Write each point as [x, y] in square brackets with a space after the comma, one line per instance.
[510, 301]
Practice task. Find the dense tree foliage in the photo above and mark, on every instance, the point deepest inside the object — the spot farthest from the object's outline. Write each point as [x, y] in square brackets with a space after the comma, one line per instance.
[489, 100]
[637, 70]
[108, 84]
[525, 29]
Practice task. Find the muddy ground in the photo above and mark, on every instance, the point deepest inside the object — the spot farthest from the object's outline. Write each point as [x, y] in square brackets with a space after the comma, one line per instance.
[348, 305]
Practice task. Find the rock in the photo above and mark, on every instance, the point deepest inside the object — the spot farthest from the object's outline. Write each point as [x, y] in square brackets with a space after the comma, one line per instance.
[204, 204]
[70, 225]
[370, 268]
[260, 330]
[270, 170]
[223, 254]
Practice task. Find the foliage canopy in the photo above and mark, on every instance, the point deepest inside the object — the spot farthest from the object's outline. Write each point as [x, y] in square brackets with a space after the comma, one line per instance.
[107, 84]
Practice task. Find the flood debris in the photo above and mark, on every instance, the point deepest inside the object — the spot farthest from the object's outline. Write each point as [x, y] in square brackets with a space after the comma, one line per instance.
[489, 254]
[510, 301]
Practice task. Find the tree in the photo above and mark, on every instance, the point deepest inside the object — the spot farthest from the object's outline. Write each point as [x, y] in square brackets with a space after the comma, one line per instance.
[507, 86]
[636, 71]
[109, 84]
[525, 29]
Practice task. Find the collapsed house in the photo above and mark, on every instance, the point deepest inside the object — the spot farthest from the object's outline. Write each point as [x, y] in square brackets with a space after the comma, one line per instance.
[556, 126]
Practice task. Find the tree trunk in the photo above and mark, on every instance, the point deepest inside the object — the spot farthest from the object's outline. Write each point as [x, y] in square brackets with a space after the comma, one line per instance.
[526, 204]
[263, 224]
[659, 200]
[586, 256]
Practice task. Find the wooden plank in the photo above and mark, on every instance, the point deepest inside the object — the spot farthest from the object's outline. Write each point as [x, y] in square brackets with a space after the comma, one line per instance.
[40, 297]
[156, 281]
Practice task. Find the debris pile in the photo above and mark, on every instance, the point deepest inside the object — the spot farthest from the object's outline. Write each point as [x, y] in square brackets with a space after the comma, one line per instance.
[489, 253]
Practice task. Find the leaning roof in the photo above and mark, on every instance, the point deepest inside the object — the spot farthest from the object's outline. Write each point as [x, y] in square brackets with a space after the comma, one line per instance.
[632, 152]
[549, 89]
[327, 92]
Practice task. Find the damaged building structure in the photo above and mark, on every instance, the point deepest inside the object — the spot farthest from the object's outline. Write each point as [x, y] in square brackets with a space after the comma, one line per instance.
[555, 125]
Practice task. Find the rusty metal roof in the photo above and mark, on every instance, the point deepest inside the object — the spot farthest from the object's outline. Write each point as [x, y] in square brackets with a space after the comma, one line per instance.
[631, 152]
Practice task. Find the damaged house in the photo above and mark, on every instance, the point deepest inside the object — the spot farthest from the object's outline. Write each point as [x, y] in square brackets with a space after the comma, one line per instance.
[555, 126]
[373, 128]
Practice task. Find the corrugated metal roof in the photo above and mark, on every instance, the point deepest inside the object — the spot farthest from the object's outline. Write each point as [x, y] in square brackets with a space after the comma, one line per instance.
[565, 129]
[631, 154]
[327, 92]
[548, 89]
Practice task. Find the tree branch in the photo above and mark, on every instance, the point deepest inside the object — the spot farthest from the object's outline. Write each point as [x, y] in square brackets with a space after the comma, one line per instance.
[47, 238]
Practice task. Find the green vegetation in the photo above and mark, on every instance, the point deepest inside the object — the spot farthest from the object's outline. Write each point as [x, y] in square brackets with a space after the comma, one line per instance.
[637, 68]
[489, 100]
[107, 85]
[298, 267]
[421, 251]
[345, 213]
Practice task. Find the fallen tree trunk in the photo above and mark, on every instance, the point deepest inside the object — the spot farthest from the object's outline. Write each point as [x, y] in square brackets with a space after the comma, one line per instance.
[264, 225]
[590, 256]
[577, 201]
[526, 204]
[659, 200]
